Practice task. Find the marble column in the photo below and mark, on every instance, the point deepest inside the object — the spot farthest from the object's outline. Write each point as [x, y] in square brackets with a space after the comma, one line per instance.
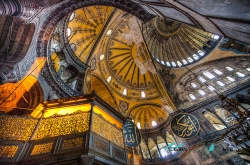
[10, 8]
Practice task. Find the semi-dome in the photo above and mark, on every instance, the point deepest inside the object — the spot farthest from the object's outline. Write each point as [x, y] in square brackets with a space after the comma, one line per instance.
[173, 44]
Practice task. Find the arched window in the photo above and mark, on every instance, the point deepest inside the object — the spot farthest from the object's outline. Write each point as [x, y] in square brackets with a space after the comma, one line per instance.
[214, 36]
[143, 95]
[190, 59]
[194, 85]
[163, 152]
[230, 78]
[217, 72]
[179, 63]
[68, 32]
[72, 16]
[208, 75]
[192, 96]
[220, 83]
[195, 57]
[202, 93]
[201, 52]
[185, 62]
[154, 124]
[109, 32]
[211, 88]
[101, 57]
[138, 125]
[201, 79]
[217, 124]
[229, 68]
[109, 78]
[173, 64]
[168, 63]
[162, 62]
[240, 74]
[124, 91]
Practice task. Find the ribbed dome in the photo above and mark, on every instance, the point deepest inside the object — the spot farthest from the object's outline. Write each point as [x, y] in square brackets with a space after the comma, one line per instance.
[173, 44]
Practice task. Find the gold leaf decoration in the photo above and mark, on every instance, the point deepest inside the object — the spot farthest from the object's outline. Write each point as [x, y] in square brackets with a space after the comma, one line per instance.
[42, 149]
[16, 128]
[8, 151]
[63, 125]
[103, 128]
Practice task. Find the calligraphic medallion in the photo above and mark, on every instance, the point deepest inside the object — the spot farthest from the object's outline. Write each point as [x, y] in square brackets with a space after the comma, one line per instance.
[131, 134]
[185, 125]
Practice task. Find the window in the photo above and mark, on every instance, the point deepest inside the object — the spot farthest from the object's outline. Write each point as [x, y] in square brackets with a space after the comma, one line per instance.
[217, 72]
[240, 74]
[162, 62]
[201, 53]
[71, 16]
[179, 63]
[195, 57]
[163, 152]
[124, 91]
[157, 60]
[211, 88]
[154, 124]
[185, 62]
[190, 59]
[173, 64]
[68, 32]
[216, 37]
[109, 32]
[201, 79]
[230, 78]
[248, 69]
[138, 125]
[229, 68]
[202, 93]
[220, 83]
[143, 95]
[194, 85]
[168, 63]
[102, 57]
[192, 96]
[109, 79]
[209, 75]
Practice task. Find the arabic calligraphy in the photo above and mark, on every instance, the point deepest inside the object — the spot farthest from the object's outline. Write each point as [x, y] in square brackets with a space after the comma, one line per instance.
[131, 134]
[185, 125]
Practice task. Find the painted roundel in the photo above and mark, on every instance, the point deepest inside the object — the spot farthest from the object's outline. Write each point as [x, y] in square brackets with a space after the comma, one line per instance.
[185, 125]
[124, 62]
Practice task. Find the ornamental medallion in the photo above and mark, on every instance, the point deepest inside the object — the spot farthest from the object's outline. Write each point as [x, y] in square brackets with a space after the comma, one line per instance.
[185, 125]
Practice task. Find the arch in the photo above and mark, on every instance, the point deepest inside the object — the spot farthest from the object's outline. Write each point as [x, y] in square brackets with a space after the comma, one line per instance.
[217, 124]
[144, 150]
[15, 40]
[103, 91]
[153, 149]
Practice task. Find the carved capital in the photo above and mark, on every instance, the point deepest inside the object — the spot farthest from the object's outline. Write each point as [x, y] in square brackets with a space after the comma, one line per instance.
[87, 159]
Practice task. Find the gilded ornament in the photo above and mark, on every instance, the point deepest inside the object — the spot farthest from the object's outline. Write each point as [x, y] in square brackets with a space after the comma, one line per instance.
[42, 149]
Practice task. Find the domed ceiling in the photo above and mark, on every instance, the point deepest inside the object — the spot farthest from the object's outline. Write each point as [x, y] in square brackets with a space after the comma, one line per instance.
[84, 28]
[119, 49]
[173, 44]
